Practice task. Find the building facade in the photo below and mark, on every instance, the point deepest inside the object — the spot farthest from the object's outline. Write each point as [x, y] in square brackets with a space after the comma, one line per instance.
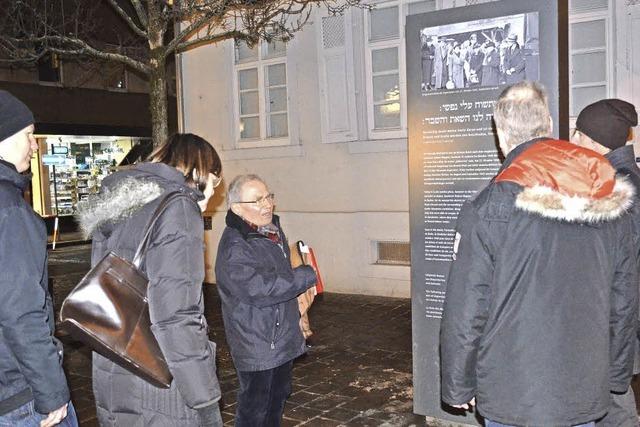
[323, 120]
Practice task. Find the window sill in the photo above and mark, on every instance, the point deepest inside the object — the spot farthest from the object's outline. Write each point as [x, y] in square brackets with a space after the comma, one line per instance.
[262, 152]
[378, 146]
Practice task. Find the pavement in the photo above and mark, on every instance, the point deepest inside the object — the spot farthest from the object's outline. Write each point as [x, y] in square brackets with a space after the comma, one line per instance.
[356, 373]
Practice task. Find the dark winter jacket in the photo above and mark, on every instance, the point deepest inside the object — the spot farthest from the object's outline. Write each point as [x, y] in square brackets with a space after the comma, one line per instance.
[623, 160]
[30, 364]
[542, 297]
[174, 264]
[258, 289]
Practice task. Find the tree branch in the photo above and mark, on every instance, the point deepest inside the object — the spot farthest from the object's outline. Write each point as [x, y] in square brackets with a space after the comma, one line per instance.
[212, 38]
[137, 30]
[184, 34]
[77, 47]
[140, 12]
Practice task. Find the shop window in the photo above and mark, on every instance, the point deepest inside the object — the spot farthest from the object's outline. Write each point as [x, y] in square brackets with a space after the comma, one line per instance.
[385, 67]
[261, 94]
[72, 168]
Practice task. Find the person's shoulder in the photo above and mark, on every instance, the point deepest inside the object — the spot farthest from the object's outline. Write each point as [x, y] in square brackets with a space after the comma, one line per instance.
[496, 201]
[230, 237]
[8, 193]
[10, 198]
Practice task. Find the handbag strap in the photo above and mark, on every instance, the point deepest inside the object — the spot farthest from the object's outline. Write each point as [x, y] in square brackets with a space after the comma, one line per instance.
[144, 243]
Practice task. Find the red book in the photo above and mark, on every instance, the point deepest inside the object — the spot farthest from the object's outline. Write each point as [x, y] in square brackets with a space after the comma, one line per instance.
[314, 264]
[309, 258]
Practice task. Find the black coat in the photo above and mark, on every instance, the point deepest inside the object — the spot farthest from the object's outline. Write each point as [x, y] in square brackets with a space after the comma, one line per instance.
[542, 298]
[623, 160]
[30, 364]
[258, 289]
[174, 264]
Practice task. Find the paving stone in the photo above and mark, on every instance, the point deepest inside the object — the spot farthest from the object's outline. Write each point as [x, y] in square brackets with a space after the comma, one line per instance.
[341, 414]
[302, 397]
[302, 413]
[328, 402]
[321, 422]
[288, 422]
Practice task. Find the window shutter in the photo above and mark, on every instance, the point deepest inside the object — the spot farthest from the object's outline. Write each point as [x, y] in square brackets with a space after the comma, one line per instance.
[336, 76]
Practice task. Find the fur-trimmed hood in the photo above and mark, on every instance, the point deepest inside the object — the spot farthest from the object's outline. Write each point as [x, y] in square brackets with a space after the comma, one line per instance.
[566, 182]
[124, 193]
[116, 204]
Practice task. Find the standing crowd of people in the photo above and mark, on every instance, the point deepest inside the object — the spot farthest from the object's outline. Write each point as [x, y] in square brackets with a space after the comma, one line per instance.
[541, 310]
[450, 64]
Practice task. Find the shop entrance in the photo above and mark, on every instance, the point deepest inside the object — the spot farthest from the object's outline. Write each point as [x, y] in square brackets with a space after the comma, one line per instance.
[69, 168]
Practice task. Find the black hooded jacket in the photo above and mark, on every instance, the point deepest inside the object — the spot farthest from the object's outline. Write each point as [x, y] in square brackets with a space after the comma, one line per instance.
[542, 298]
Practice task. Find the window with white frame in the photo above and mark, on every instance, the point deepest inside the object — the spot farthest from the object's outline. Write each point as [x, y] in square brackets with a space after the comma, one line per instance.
[261, 94]
[385, 66]
[589, 53]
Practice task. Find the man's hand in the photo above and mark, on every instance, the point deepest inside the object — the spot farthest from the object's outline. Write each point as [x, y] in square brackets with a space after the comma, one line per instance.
[466, 406]
[55, 417]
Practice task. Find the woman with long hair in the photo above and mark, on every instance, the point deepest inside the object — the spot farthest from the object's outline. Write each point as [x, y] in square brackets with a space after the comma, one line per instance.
[115, 219]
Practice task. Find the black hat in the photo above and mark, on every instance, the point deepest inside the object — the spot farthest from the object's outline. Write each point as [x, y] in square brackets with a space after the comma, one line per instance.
[14, 115]
[607, 122]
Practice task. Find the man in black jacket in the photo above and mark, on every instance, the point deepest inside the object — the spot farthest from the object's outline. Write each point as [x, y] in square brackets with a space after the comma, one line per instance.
[33, 388]
[258, 289]
[541, 303]
[606, 127]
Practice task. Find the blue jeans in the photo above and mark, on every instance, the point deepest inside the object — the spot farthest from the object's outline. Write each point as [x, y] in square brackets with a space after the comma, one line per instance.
[262, 395]
[26, 416]
[489, 423]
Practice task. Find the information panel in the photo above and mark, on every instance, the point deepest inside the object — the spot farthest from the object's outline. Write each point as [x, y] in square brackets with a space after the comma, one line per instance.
[458, 62]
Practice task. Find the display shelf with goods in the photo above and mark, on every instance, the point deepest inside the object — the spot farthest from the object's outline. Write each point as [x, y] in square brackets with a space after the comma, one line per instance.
[72, 168]
[62, 190]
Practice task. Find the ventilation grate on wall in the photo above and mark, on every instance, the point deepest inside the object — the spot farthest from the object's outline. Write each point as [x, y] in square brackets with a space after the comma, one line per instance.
[333, 31]
[393, 253]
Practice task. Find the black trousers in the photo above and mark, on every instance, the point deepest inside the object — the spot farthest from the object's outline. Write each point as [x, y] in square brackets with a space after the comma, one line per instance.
[262, 395]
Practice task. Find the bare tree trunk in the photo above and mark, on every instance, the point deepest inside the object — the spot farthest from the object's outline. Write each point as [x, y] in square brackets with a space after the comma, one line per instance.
[158, 102]
[158, 76]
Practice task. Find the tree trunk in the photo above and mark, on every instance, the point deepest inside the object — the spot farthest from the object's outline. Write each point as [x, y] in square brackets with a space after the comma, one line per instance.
[158, 102]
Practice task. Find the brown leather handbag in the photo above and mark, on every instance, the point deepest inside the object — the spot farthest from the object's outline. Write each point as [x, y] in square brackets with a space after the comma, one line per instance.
[109, 312]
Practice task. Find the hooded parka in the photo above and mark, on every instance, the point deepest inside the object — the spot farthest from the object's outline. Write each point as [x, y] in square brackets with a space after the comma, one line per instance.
[542, 297]
[30, 361]
[174, 264]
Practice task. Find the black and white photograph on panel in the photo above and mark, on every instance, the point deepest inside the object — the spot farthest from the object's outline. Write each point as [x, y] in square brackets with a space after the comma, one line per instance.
[485, 52]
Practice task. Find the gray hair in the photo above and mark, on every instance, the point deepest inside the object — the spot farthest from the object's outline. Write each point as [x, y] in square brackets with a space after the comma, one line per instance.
[234, 191]
[522, 113]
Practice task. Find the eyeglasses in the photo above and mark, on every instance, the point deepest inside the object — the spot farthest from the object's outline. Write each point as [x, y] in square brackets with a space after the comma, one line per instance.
[262, 201]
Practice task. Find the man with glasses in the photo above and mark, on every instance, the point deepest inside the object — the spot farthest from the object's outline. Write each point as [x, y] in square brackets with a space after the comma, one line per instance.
[258, 289]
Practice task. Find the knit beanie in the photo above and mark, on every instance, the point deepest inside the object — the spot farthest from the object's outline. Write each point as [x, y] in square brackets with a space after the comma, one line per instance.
[607, 122]
[14, 115]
